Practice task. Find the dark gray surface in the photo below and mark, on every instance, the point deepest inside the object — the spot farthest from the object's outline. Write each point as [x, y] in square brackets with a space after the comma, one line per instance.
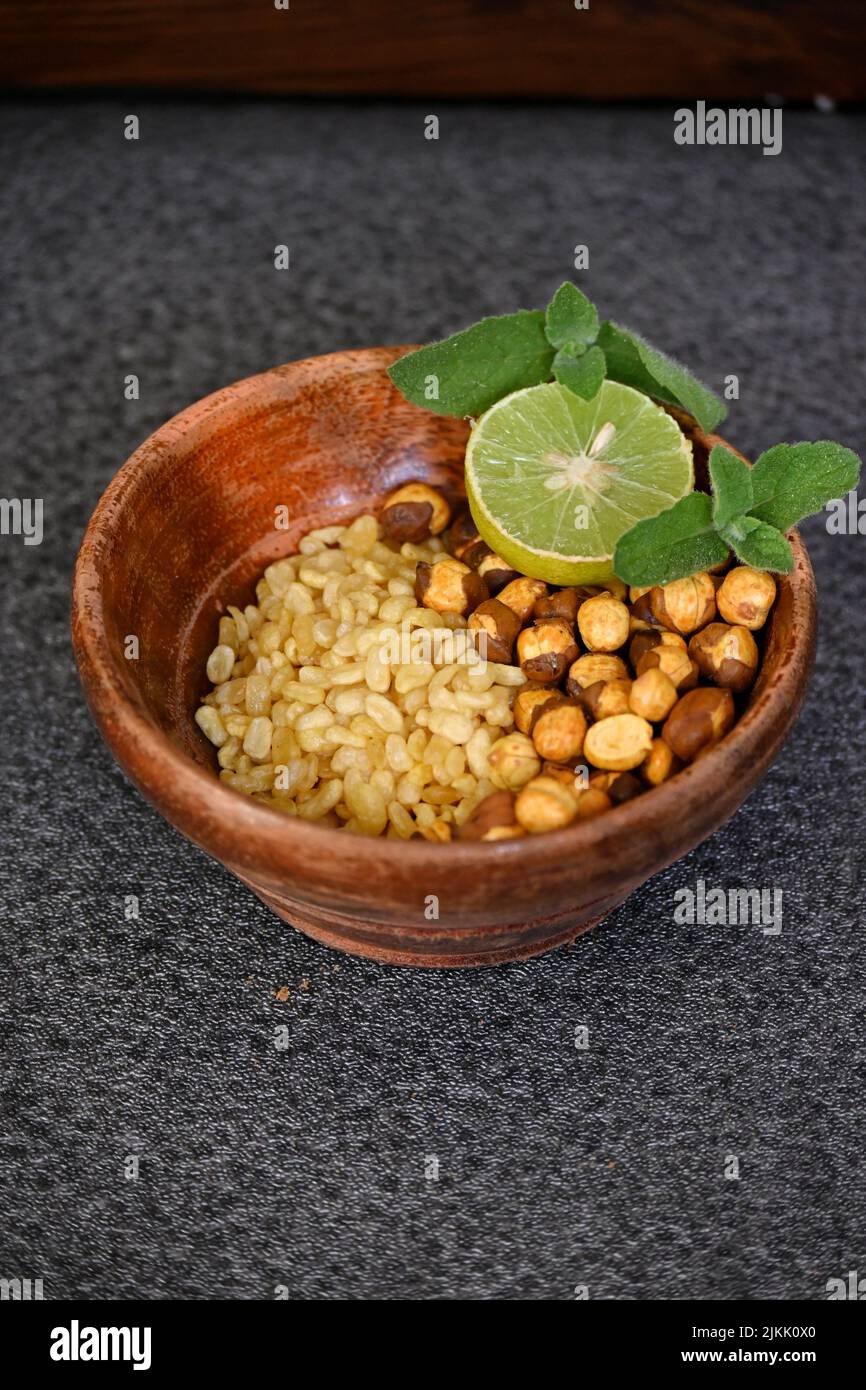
[306, 1167]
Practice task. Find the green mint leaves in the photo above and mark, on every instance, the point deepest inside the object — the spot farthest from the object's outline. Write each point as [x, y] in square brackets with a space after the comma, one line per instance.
[748, 513]
[631, 360]
[759, 545]
[671, 545]
[584, 374]
[571, 325]
[731, 479]
[468, 372]
[791, 481]
[571, 320]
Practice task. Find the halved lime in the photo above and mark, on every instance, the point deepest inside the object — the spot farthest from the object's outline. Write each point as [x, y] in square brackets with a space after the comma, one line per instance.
[553, 481]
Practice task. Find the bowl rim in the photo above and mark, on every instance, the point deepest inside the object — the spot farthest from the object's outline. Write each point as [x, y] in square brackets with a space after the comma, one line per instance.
[139, 746]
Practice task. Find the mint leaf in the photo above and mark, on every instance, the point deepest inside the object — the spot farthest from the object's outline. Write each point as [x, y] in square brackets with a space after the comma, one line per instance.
[583, 375]
[631, 360]
[731, 478]
[791, 481]
[669, 546]
[571, 318]
[466, 373]
[758, 544]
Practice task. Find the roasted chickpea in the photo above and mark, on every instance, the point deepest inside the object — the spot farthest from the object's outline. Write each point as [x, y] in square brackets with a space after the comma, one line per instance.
[653, 695]
[725, 655]
[513, 761]
[619, 743]
[592, 802]
[546, 650]
[527, 701]
[644, 641]
[558, 731]
[601, 780]
[603, 623]
[594, 666]
[698, 720]
[496, 627]
[413, 513]
[674, 661]
[746, 596]
[659, 764]
[492, 819]
[463, 535]
[563, 603]
[449, 586]
[624, 787]
[568, 776]
[495, 571]
[641, 612]
[545, 804]
[522, 595]
[605, 698]
[686, 604]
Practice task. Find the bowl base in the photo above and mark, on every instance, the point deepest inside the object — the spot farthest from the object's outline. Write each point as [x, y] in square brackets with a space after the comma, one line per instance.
[448, 949]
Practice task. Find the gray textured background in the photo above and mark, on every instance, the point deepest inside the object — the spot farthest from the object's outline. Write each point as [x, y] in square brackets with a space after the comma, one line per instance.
[306, 1167]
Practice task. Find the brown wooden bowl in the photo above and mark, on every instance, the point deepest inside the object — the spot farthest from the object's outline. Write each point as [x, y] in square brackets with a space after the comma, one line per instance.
[187, 526]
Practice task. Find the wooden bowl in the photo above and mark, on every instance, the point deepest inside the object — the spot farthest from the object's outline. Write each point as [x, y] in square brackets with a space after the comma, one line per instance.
[187, 526]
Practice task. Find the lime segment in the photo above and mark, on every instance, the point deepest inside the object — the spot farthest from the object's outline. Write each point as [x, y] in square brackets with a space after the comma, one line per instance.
[553, 481]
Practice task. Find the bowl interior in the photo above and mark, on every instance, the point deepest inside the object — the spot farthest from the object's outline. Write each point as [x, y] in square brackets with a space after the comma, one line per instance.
[251, 471]
[232, 484]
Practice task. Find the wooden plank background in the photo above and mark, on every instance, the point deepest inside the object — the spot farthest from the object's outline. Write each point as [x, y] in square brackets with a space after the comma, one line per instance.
[614, 50]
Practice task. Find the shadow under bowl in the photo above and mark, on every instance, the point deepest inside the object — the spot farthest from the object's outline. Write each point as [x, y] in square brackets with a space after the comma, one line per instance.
[188, 525]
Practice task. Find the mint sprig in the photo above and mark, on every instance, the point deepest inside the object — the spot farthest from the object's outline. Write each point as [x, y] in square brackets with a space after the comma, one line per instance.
[471, 370]
[468, 372]
[791, 481]
[759, 545]
[571, 320]
[731, 480]
[631, 360]
[582, 374]
[748, 512]
[675, 543]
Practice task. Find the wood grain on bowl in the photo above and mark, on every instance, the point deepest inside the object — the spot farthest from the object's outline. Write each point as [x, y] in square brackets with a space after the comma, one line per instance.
[188, 525]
